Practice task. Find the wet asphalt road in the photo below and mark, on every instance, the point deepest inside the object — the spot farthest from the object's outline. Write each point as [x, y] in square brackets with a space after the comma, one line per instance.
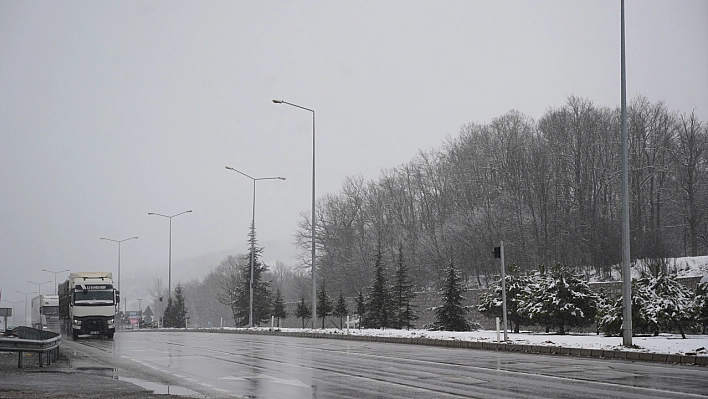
[258, 366]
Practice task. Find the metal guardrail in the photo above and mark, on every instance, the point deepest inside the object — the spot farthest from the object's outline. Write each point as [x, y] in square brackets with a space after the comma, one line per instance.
[27, 339]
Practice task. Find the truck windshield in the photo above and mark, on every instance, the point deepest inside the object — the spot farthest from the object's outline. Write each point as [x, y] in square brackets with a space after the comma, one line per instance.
[93, 297]
[50, 310]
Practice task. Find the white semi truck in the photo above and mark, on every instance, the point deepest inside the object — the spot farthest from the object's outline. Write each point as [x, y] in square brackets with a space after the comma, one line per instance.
[87, 305]
[45, 312]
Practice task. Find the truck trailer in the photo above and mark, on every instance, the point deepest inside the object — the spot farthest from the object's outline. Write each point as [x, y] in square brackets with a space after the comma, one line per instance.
[45, 312]
[87, 305]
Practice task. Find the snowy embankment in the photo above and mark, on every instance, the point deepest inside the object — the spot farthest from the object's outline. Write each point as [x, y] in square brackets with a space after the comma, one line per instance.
[664, 343]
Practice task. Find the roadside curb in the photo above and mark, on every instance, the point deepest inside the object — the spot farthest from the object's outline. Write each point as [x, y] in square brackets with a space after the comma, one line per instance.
[691, 360]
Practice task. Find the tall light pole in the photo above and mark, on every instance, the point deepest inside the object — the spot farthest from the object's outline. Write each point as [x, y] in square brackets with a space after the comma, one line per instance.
[314, 269]
[55, 277]
[169, 279]
[626, 269]
[13, 311]
[39, 285]
[119, 241]
[253, 236]
[26, 294]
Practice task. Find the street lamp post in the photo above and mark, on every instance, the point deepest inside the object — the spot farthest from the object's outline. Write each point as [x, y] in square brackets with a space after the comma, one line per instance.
[39, 285]
[26, 294]
[13, 312]
[314, 269]
[626, 267]
[169, 278]
[55, 277]
[118, 241]
[253, 237]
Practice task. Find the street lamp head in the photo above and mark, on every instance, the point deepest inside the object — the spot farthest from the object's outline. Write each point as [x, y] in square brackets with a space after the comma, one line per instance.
[52, 271]
[189, 211]
[281, 178]
[151, 213]
[278, 101]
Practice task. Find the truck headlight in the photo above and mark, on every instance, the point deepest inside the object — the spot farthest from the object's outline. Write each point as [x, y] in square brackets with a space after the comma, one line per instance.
[76, 322]
[111, 322]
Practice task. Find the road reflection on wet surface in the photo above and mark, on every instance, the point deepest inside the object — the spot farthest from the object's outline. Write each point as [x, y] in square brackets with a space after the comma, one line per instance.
[259, 366]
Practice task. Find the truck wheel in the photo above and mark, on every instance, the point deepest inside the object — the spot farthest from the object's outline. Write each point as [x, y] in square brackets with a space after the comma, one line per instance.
[75, 335]
[110, 335]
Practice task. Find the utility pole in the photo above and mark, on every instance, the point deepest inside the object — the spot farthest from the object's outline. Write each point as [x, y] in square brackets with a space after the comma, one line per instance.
[626, 268]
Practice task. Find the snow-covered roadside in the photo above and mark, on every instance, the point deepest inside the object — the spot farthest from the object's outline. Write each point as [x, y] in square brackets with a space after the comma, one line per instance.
[664, 343]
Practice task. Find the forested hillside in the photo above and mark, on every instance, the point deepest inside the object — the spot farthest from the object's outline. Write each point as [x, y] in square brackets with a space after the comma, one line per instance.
[549, 188]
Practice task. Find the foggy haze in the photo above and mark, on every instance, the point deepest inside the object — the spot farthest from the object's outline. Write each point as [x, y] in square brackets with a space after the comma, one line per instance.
[111, 110]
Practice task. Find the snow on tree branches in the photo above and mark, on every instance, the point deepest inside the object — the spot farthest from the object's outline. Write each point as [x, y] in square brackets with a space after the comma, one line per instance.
[659, 302]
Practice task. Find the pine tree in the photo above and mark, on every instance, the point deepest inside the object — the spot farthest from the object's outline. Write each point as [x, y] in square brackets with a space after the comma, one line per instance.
[324, 305]
[176, 312]
[180, 308]
[261, 293]
[517, 285]
[658, 302]
[609, 313]
[378, 304]
[701, 304]
[303, 311]
[361, 309]
[168, 317]
[340, 309]
[450, 316]
[403, 310]
[279, 311]
[671, 305]
[561, 299]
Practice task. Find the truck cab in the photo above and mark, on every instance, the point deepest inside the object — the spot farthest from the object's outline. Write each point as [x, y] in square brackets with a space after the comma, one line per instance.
[87, 304]
[45, 312]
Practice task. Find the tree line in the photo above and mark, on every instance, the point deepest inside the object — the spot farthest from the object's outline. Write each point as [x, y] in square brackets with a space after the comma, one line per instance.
[560, 299]
[549, 188]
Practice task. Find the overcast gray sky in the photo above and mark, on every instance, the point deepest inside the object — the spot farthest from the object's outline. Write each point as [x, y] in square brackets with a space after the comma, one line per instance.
[110, 110]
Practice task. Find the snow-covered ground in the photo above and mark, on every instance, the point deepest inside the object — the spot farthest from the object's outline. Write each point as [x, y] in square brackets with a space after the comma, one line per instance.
[692, 266]
[664, 343]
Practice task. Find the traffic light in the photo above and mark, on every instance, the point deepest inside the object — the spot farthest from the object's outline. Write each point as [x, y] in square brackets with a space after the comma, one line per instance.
[497, 252]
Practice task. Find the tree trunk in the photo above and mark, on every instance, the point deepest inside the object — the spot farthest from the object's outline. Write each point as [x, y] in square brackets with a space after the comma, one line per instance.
[680, 328]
